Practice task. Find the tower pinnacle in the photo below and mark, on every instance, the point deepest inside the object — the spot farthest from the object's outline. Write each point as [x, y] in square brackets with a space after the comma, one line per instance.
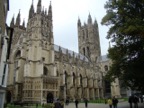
[50, 12]
[31, 11]
[18, 19]
[39, 7]
[89, 19]
[79, 22]
[23, 23]
[12, 22]
[95, 23]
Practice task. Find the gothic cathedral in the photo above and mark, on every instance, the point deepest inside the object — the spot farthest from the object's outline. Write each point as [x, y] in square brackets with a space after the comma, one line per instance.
[39, 68]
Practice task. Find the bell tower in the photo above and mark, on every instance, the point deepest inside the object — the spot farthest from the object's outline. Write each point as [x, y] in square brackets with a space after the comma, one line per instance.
[88, 39]
[40, 40]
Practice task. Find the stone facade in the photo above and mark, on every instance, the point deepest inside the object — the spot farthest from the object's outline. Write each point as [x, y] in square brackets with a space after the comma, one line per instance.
[38, 67]
[4, 42]
[4, 7]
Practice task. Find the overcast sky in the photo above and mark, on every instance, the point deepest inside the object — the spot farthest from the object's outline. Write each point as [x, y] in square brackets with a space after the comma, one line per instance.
[65, 16]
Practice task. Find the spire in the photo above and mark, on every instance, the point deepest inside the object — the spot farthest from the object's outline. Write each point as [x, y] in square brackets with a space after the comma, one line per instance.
[18, 19]
[12, 22]
[45, 11]
[39, 7]
[50, 12]
[23, 23]
[89, 19]
[95, 23]
[31, 11]
[79, 22]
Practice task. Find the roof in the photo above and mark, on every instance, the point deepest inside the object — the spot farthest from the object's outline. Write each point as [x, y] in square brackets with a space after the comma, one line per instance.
[102, 58]
[72, 53]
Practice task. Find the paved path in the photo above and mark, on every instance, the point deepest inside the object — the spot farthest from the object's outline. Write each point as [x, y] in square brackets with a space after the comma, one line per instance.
[90, 105]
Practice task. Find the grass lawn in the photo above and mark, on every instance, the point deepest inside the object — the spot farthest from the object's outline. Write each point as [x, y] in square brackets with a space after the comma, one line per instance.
[18, 106]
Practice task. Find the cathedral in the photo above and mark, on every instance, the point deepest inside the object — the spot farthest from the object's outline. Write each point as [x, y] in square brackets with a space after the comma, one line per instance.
[39, 68]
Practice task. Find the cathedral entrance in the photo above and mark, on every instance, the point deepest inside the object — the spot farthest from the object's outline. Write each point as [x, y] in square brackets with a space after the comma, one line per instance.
[50, 97]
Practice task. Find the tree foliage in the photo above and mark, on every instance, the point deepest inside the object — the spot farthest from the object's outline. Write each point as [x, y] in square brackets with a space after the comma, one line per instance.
[126, 21]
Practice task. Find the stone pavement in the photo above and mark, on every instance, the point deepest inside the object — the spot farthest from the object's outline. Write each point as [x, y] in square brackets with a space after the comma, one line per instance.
[91, 105]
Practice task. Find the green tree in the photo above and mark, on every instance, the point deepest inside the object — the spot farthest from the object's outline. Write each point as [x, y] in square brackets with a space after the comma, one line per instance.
[126, 21]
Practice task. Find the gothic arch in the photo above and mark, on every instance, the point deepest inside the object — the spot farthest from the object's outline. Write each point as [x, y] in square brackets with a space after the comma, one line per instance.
[45, 71]
[57, 73]
[84, 51]
[74, 78]
[83, 32]
[66, 80]
[50, 97]
[88, 51]
[66, 75]
[81, 83]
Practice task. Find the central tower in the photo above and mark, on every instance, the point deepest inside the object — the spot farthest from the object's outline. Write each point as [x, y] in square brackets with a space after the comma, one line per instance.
[88, 39]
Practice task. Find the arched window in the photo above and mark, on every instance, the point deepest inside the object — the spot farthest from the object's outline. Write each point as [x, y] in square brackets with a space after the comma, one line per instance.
[84, 51]
[73, 78]
[81, 80]
[45, 72]
[106, 68]
[57, 73]
[65, 78]
[88, 51]
[83, 34]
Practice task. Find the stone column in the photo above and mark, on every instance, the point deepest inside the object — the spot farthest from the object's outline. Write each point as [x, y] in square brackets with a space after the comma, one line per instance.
[80, 92]
[41, 92]
[101, 92]
[98, 94]
[87, 93]
[92, 95]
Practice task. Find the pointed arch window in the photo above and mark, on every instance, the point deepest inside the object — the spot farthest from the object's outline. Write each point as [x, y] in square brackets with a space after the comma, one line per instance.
[81, 80]
[57, 73]
[45, 72]
[74, 77]
[84, 51]
[83, 32]
[88, 52]
[66, 78]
